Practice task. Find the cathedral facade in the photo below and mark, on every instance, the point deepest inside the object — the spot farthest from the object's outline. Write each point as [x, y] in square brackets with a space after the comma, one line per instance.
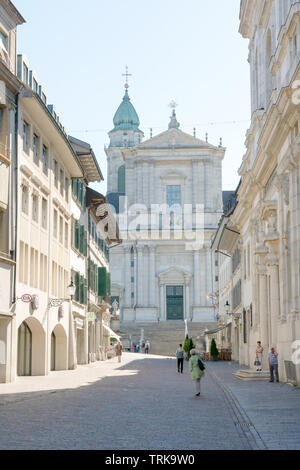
[162, 271]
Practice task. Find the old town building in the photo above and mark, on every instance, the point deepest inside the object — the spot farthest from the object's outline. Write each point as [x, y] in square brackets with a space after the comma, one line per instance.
[53, 313]
[268, 210]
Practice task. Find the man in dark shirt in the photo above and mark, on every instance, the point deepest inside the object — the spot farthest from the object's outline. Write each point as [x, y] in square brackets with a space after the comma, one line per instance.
[180, 358]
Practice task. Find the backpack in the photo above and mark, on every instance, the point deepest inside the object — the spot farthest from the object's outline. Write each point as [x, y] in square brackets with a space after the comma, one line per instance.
[201, 365]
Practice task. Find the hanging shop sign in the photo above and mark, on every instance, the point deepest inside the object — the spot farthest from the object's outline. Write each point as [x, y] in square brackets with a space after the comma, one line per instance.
[61, 312]
[26, 298]
[35, 302]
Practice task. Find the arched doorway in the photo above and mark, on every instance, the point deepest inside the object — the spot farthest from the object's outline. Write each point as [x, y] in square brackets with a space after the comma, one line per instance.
[59, 349]
[24, 351]
[31, 348]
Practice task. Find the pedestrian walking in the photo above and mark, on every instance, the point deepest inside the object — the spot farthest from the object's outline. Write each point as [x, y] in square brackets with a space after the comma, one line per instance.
[119, 350]
[196, 366]
[180, 358]
[273, 363]
[147, 347]
[259, 357]
[137, 348]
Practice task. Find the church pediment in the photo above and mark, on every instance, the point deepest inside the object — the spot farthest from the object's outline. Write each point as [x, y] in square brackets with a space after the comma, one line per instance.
[175, 138]
[174, 273]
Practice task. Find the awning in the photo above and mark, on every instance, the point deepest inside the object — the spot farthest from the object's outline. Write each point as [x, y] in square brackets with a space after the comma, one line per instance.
[220, 328]
[111, 333]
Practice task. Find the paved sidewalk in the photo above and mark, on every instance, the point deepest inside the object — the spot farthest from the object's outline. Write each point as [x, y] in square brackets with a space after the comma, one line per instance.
[29, 387]
[273, 409]
[145, 404]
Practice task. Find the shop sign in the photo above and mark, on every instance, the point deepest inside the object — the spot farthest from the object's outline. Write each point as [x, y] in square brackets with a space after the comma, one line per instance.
[26, 298]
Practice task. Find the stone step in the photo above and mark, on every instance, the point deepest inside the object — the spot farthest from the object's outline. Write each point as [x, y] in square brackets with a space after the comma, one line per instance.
[165, 337]
[252, 375]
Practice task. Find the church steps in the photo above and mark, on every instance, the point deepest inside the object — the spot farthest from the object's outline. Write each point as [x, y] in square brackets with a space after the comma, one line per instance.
[165, 337]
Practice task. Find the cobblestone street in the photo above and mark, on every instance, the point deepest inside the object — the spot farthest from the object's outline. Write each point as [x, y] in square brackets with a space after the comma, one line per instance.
[145, 404]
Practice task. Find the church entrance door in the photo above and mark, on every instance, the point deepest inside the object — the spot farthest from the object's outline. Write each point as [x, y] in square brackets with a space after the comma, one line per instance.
[175, 305]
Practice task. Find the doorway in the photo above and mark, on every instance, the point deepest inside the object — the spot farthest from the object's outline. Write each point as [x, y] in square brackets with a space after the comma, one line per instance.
[24, 351]
[53, 352]
[175, 303]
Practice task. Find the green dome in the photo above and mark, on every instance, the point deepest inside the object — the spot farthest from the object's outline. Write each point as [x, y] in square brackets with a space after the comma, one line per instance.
[126, 117]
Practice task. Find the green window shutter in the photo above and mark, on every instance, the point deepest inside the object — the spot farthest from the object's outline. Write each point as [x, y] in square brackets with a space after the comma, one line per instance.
[81, 295]
[102, 282]
[84, 199]
[77, 235]
[108, 284]
[85, 243]
[76, 188]
[85, 293]
[81, 236]
[77, 284]
[80, 195]
[96, 281]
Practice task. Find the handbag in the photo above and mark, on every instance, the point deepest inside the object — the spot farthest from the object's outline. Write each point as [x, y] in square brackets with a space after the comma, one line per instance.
[201, 365]
[257, 362]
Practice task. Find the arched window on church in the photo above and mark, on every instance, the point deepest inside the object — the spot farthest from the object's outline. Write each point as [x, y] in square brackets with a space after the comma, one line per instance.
[121, 180]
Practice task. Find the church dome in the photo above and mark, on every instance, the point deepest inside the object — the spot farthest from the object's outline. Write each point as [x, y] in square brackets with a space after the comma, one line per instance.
[126, 117]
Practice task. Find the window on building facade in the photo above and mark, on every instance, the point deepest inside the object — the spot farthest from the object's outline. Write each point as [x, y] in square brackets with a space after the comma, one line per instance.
[55, 220]
[44, 213]
[35, 85]
[55, 173]
[121, 180]
[45, 160]
[67, 186]
[61, 230]
[25, 199]
[61, 182]
[66, 235]
[34, 263]
[173, 195]
[54, 279]
[4, 40]
[23, 263]
[35, 207]
[25, 137]
[25, 74]
[36, 141]
[43, 272]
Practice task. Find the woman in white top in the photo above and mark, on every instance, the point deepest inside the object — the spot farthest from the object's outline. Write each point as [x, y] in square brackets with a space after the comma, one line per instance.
[259, 355]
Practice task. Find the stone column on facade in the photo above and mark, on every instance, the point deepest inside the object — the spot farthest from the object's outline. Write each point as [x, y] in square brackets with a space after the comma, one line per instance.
[202, 286]
[196, 278]
[187, 298]
[139, 182]
[127, 276]
[295, 238]
[97, 345]
[140, 283]
[146, 277]
[201, 189]
[263, 303]
[208, 274]
[162, 301]
[272, 262]
[195, 187]
[151, 184]
[151, 284]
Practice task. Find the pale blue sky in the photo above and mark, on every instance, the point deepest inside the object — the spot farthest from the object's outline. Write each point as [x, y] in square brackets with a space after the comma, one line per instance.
[189, 51]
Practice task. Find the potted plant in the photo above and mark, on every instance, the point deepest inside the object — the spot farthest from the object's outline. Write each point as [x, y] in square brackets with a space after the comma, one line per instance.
[188, 346]
[214, 352]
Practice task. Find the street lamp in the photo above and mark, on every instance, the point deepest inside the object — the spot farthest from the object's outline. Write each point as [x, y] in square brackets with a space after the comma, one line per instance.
[71, 290]
[227, 307]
